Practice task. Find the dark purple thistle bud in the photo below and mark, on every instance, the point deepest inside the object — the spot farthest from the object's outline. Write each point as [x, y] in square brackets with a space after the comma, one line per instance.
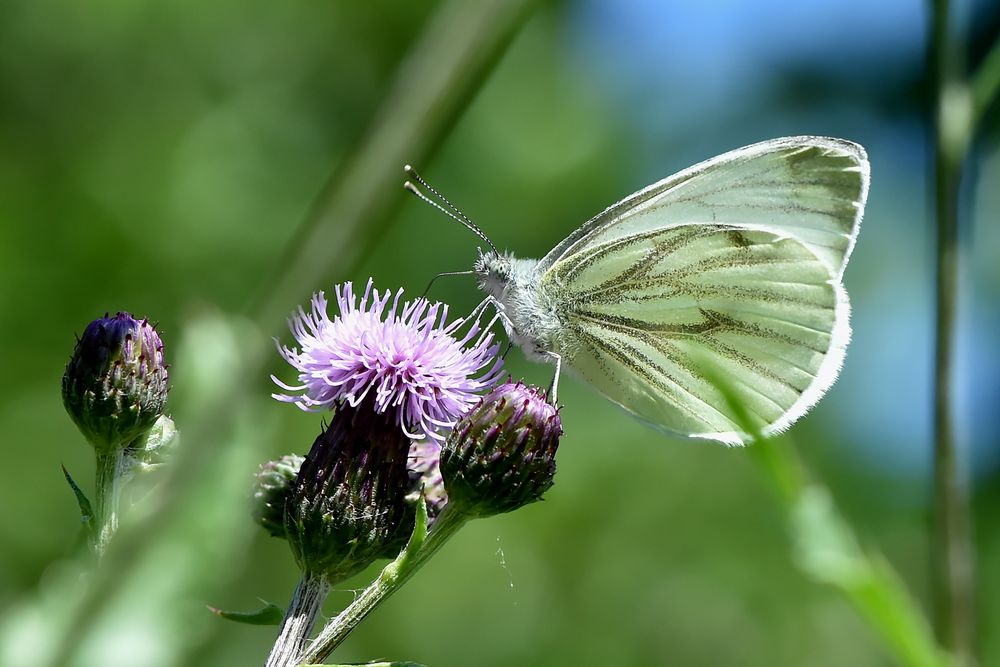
[348, 503]
[501, 456]
[115, 385]
[270, 491]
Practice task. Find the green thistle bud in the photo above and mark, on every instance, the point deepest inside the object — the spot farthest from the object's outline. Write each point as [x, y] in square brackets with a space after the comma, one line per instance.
[348, 502]
[270, 490]
[115, 385]
[501, 456]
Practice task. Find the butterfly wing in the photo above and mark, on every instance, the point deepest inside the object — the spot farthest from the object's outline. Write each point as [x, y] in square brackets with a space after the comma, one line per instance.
[642, 312]
[812, 189]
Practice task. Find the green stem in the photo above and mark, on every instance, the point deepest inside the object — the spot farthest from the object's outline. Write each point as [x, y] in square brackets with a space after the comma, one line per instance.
[306, 604]
[954, 578]
[110, 466]
[392, 577]
[785, 471]
[986, 83]
[827, 549]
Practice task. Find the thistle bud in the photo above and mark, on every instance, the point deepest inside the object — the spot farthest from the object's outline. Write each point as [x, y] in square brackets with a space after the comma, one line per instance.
[270, 490]
[348, 502]
[501, 456]
[115, 385]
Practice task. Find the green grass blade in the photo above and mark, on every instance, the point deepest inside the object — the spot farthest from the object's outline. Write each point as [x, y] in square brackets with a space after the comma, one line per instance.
[827, 550]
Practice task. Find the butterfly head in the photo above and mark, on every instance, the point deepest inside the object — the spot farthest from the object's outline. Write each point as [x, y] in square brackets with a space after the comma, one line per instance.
[494, 272]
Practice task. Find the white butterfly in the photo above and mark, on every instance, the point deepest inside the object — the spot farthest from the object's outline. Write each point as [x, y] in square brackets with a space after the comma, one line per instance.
[737, 260]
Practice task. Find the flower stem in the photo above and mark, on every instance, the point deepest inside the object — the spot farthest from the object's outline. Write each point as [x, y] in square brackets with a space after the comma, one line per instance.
[307, 601]
[954, 569]
[394, 575]
[986, 83]
[110, 466]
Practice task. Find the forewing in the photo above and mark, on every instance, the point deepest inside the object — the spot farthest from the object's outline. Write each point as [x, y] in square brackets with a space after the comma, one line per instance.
[643, 314]
[812, 189]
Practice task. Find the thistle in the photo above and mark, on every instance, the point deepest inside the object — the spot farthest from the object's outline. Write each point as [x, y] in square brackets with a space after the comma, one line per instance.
[348, 499]
[501, 456]
[497, 458]
[115, 388]
[393, 374]
[115, 384]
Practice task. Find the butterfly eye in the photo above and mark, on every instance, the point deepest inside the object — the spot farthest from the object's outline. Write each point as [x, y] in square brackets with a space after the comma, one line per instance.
[497, 267]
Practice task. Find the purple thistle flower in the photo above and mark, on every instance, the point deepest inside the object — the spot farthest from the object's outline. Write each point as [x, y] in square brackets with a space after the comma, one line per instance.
[406, 356]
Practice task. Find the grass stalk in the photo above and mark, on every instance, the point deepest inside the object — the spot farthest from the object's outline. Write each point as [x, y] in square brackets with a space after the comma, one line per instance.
[827, 549]
[952, 551]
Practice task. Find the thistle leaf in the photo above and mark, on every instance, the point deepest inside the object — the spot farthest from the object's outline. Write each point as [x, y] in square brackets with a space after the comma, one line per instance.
[269, 614]
[86, 513]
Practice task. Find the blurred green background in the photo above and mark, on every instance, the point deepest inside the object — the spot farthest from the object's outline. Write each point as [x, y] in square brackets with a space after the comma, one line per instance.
[158, 158]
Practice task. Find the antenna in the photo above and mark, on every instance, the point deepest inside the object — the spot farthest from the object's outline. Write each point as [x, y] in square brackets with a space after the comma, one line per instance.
[451, 211]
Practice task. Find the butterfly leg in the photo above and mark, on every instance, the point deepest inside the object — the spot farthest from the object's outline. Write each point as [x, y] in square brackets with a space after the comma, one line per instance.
[498, 309]
[554, 387]
[477, 313]
[483, 305]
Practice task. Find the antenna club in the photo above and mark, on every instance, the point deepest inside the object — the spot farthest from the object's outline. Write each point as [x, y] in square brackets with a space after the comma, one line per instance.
[407, 169]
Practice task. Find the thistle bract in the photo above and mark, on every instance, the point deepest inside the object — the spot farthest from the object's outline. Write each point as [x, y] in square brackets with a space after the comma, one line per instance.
[501, 456]
[115, 384]
[347, 504]
[270, 491]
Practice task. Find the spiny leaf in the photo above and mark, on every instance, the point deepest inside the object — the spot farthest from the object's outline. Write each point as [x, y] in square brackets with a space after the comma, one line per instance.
[86, 513]
[270, 614]
[419, 534]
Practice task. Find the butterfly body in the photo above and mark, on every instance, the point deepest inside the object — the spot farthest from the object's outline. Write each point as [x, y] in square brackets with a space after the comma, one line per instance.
[531, 314]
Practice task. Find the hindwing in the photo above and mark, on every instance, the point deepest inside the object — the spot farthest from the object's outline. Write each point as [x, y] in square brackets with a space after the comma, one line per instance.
[642, 314]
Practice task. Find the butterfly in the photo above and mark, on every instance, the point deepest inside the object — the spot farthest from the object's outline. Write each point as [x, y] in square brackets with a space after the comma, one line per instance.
[737, 262]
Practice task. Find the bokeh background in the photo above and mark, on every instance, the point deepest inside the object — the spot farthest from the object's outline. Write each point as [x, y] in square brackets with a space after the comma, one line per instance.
[158, 157]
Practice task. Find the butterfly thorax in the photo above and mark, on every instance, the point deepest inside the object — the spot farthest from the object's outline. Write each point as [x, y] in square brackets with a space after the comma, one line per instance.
[530, 314]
